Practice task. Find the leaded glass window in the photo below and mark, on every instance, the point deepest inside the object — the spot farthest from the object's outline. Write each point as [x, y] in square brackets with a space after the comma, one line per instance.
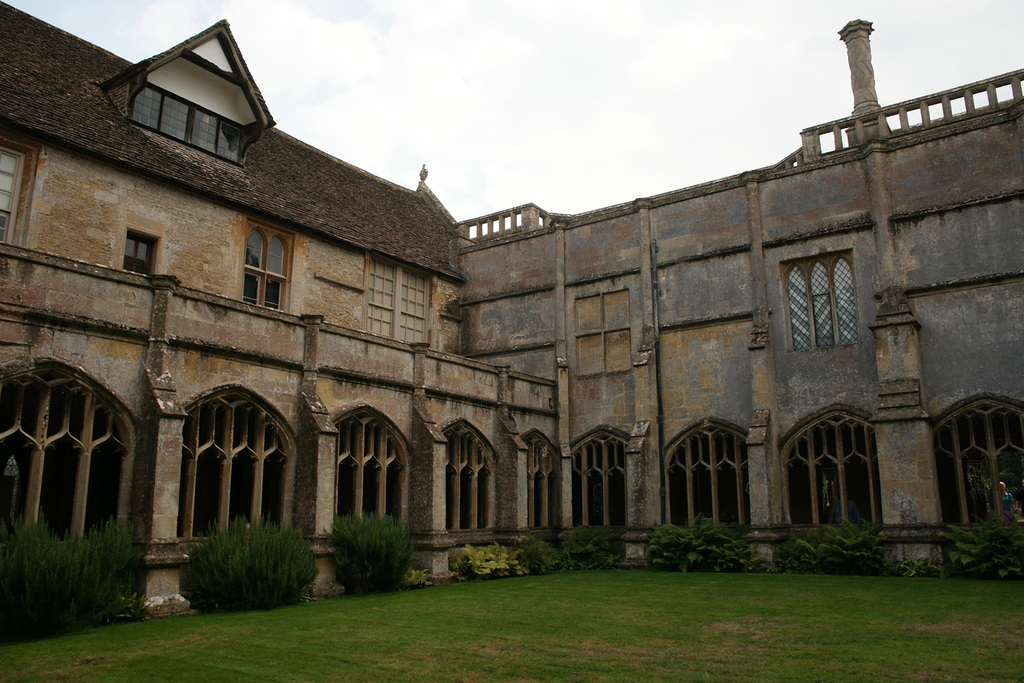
[821, 299]
[185, 121]
[264, 279]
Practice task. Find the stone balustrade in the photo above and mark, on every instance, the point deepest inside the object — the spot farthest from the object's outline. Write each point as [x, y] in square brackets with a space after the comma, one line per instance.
[503, 223]
[975, 99]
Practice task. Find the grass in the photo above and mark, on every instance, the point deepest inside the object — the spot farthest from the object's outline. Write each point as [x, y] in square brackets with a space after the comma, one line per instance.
[575, 626]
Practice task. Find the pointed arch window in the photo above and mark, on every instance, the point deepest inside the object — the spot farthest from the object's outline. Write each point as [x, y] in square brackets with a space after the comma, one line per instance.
[468, 480]
[234, 463]
[541, 482]
[822, 304]
[599, 481]
[266, 262]
[706, 474]
[832, 472]
[371, 465]
[972, 446]
[64, 453]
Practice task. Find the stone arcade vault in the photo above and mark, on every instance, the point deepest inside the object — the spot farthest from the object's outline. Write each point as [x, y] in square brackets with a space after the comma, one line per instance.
[203, 318]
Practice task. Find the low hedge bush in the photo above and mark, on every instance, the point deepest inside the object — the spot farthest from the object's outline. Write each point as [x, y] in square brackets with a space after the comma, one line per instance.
[251, 566]
[590, 547]
[49, 585]
[372, 554]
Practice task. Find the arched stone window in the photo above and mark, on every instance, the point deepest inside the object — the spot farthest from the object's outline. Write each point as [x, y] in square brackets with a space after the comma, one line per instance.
[266, 268]
[599, 481]
[971, 446]
[371, 466]
[63, 451]
[832, 472]
[468, 479]
[822, 305]
[541, 482]
[706, 473]
[234, 463]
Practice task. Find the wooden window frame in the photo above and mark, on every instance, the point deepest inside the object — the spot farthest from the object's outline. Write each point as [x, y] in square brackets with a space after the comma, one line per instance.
[9, 215]
[395, 320]
[135, 264]
[260, 272]
[190, 133]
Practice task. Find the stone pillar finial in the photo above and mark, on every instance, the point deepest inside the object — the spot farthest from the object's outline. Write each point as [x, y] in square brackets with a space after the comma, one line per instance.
[862, 74]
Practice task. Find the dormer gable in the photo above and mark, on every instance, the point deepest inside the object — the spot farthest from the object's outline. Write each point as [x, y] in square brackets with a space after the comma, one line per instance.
[199, 92]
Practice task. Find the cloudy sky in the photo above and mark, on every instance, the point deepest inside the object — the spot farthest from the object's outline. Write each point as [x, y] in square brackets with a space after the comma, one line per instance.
[569, 104]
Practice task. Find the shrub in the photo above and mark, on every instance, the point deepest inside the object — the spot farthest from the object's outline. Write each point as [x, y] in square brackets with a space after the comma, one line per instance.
[836, 549]
[995, 551]
[909, 568]
[703, 546]
[251, 566]
[48, 585]
[371, 553]
[590, 547]
[536, 556]
[486, 562]
[416, 578]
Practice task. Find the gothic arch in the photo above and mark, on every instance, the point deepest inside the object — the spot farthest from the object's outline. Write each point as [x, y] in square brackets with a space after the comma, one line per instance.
[599, 478]
[237, 460]
[371, 464]
[469, 478]
[65, 449]
[542, 480]
[831, 470]
[706, 474]
[974, 439]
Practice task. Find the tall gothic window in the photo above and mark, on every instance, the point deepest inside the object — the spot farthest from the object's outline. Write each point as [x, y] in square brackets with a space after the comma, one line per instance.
[541, 482]
[468, 480]
[63, 453]
[832, 472]
[971, 447]
[707, 476]
[234, 463]
[822, 306]
[599, 481]
[371, 466]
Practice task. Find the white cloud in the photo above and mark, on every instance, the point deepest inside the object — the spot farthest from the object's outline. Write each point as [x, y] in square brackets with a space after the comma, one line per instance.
[572, 104]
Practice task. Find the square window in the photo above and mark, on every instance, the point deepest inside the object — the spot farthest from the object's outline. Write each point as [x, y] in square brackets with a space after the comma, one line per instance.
[138, 253]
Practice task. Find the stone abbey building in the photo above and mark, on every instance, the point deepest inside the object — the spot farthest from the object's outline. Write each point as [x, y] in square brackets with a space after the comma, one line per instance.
[202, 317]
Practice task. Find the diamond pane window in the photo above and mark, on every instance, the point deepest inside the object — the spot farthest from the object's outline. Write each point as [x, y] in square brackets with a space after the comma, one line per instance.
[821, 299]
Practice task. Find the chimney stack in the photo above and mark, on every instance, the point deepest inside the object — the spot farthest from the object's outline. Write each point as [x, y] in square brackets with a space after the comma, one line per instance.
[862, 75]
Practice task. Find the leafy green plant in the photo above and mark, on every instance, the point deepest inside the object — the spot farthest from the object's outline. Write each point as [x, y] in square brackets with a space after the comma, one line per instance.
[48, 585]
[251, 566]
[702, 546]
[493, 561]
[910, 568]
[416, 578]
[590, 547]
[995, 551]
[372, 553]
[536, 556]
[845, 548]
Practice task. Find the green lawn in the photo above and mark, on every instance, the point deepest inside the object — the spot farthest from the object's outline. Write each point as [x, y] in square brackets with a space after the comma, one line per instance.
[575, 626]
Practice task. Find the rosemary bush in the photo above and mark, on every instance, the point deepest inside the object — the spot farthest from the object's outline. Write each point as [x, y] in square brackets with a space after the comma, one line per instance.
[49, 585]
[371, 553]
[251, 566]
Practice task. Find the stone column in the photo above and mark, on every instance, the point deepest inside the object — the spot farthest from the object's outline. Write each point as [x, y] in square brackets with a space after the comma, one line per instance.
[862, 74]
[510, 481]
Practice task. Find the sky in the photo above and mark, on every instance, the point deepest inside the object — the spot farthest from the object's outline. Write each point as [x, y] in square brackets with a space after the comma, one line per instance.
[572, 105]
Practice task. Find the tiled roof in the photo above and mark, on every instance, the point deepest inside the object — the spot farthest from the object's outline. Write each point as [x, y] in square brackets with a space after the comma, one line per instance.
[50, 88]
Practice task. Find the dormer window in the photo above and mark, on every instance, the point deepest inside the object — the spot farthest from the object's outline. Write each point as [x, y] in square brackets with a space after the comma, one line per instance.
[173, 116]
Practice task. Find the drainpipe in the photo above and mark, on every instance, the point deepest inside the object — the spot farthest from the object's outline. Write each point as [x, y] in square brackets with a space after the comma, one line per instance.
[655, 297]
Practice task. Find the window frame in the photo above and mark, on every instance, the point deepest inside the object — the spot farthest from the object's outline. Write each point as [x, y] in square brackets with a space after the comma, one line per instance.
[261, 272]
[140, 238]
[602, 333]
[17, 177]
[190, 131]
[843, 328]
[392, 323]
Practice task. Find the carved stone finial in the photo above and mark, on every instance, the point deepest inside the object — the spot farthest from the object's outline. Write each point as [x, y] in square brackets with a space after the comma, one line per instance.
[423, 174]
[862, 74]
